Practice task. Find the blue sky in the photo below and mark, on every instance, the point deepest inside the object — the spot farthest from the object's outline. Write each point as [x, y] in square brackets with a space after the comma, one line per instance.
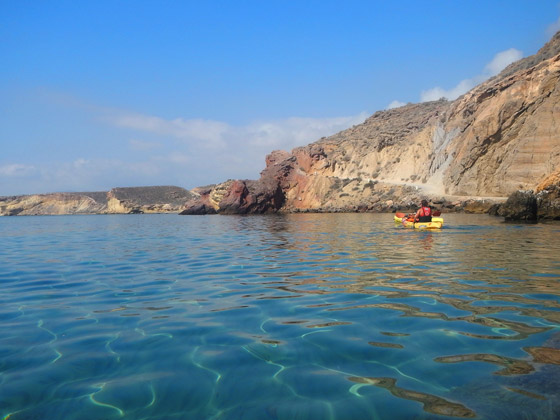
[101, 94]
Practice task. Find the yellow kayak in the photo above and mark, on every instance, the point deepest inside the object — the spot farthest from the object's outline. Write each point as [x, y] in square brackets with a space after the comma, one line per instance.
[436, 223]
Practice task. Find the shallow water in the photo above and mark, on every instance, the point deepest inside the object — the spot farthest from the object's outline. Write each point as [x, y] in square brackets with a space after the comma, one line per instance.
[322, 316]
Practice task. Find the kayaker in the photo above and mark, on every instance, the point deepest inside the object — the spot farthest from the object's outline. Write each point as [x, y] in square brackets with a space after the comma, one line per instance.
[424, 213]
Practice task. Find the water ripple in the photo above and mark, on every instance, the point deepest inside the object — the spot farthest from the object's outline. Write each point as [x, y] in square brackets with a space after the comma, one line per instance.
[299, 316]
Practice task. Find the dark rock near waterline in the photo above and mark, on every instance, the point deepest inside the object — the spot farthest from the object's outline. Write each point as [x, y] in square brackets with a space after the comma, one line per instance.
[529, 206]
[548, 197]
[198, 208]
[549, 204]
[520, 206]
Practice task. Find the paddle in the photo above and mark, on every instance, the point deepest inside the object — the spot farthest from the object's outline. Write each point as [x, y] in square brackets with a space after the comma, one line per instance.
[399, 214]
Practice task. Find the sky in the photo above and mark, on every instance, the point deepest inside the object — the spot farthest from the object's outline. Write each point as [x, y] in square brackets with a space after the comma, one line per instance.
[102, 94]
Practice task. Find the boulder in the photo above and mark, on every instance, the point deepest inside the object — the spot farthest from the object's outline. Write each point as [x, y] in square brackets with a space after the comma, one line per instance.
[548, 197]
[520, 206]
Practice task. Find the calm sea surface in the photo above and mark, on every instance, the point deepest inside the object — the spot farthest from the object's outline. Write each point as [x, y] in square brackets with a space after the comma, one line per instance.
[323, 316]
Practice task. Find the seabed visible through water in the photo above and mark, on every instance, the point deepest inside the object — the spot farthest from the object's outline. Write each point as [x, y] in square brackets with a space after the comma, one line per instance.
[308, 316]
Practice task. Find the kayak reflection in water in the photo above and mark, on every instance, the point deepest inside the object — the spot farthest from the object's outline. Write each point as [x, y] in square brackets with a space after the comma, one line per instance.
[427, 241]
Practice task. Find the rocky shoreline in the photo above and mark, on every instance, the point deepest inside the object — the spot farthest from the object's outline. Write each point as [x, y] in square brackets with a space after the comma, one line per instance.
[521, 206]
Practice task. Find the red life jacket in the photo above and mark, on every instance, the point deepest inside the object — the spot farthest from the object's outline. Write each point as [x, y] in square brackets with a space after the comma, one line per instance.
[426, 211]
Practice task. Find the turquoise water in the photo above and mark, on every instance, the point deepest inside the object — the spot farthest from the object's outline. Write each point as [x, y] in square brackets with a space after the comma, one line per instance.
[320, 316]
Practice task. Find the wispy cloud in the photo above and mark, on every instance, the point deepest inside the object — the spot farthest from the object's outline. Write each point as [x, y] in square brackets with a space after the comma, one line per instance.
[501, 61]
[395, 104]
[437, 92]
[291, 132]
[286, 133]
[180, 151]
[205, 151]
[207, 132]
[16, 170]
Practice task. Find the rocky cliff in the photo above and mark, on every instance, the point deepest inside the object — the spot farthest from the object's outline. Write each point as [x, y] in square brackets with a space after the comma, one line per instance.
[164, 199]
[502, 136]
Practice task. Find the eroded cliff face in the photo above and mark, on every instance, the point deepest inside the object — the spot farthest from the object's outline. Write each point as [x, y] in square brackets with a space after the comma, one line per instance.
[472, 153]
[164, 199]
[509, 133]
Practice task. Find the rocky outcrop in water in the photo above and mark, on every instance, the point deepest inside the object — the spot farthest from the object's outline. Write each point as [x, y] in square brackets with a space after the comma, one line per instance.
[548, 198]
[164, 199]
[520, 206]
[531, 206]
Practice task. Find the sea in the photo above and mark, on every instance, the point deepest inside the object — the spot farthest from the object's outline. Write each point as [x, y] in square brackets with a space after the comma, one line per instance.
[300, 316]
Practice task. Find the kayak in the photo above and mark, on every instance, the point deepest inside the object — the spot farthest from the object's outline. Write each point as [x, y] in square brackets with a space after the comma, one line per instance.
[436, 223]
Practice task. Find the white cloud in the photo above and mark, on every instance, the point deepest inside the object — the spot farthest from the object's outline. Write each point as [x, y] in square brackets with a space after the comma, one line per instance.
[395, 104]
[17, 170]
[206, 132]
[237, 151]
[292, 132]
[500, 61]
[217, 144]
[437, 93]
